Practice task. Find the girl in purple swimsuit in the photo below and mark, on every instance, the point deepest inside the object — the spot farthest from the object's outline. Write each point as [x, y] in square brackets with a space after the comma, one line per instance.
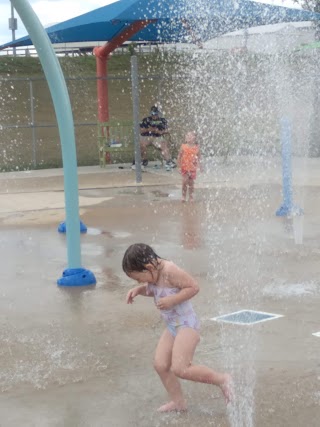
[172, 289]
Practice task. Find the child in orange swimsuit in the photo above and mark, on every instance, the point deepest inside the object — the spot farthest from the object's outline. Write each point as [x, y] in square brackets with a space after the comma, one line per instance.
[188, 162]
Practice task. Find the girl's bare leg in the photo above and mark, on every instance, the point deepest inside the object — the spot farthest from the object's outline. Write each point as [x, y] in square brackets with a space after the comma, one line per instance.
[191, 189]
[185, 179]
[162, 364]
[182, 354]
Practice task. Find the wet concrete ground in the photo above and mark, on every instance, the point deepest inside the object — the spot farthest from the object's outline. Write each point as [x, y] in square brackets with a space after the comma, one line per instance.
[82, 357]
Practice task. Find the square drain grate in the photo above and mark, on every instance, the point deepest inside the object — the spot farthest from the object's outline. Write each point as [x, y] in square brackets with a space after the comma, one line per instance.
[317, 334]
[246, 317]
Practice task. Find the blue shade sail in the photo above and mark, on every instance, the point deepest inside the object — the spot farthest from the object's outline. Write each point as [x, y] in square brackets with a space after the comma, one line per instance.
[207, 18]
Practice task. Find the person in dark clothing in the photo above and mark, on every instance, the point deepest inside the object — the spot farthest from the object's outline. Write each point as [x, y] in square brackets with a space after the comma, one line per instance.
[154, 131]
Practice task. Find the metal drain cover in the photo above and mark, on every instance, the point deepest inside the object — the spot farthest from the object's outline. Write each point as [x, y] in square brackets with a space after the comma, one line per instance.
[246, 317]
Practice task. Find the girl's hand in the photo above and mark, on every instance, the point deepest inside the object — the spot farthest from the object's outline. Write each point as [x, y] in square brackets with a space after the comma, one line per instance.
[165, 303]
[131, 295]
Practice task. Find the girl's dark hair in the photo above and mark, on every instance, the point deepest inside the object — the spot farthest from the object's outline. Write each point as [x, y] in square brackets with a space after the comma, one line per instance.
[137, 256]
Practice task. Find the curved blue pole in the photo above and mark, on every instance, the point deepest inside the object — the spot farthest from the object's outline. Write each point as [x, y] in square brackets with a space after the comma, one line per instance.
[62, 106]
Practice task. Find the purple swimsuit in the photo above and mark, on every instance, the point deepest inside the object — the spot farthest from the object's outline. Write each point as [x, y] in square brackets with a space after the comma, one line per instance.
[179, 316]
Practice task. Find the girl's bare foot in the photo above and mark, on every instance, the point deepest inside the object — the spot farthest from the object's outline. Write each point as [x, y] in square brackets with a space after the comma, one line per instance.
[227, 388]
[183, 200]
[172, 406]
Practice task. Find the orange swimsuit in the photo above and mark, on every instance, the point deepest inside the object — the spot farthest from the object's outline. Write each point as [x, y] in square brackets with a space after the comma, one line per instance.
[189, 160]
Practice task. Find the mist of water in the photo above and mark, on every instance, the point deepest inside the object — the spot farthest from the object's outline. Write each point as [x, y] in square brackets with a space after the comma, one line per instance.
[235, 102]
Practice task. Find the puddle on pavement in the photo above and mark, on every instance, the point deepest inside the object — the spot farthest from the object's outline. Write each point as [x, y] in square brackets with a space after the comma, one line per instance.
[120, 234]
[159, 193]
[110, 234]
[285, 290]
[94, 231]
[132, 192]
[92, 249]
[294, 226]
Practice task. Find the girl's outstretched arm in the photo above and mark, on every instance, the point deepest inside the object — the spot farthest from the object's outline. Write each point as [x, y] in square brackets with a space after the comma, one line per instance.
[138, 290]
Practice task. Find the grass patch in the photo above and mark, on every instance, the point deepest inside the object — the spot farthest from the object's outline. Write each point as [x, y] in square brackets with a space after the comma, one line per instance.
[83, 65]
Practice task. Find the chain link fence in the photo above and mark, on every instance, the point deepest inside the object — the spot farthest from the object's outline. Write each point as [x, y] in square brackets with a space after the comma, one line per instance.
[234, 102]
[29, 136]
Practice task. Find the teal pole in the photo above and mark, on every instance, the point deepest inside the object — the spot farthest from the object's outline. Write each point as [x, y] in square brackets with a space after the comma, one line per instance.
[62, 106]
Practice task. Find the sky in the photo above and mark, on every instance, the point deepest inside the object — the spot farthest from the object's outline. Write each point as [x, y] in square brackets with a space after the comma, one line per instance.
[54, 11]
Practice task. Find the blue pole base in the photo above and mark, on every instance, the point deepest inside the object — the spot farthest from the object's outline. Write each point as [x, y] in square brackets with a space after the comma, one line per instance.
[289, 211]
[77, 277]
[63, 227]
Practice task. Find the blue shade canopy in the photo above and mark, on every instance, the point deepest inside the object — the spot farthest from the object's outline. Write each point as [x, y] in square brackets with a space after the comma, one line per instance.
[206, 18]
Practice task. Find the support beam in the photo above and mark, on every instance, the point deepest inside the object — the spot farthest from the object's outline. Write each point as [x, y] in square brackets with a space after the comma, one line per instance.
[102, 53]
